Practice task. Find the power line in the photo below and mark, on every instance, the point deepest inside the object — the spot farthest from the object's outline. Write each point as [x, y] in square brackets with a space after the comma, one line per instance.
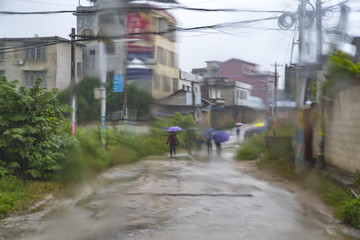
[215, 26]
[38, 45]
[43, 2]
[99, 38]
[141, 8]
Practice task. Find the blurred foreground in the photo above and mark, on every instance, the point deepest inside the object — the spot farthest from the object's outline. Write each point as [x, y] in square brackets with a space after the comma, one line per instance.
[204, 197]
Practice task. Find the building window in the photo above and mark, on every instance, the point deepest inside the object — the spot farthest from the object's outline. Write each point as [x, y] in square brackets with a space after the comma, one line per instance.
[2, 73]
[243, 95]
[172, 62]
[2, 51]
[175, 84]
[110, 48]
[166, 84]
[106, 19]
[171, 32]
[161, 25]
[156, 82]
[161, 55]
[35, 51]
[78, 69]
[214, 73]
[32, 76]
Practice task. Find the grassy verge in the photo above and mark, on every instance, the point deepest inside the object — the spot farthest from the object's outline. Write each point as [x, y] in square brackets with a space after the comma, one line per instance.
[17, 196]
[84, 157]
[279, 159]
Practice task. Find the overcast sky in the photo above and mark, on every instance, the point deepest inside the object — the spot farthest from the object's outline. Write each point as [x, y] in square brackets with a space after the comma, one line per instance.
[263, 42]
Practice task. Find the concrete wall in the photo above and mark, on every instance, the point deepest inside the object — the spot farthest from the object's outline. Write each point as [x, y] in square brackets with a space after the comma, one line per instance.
[221, 119]
[342, 130]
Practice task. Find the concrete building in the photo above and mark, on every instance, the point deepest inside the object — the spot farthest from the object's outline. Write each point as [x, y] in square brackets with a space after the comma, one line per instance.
[49, 58]
[239, 94]
[236, 70]
[263, 83]
[191, 83]
[121, 27]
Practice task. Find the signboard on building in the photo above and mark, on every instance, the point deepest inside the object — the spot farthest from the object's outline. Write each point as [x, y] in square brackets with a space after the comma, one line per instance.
[118, 84]
[139, 22]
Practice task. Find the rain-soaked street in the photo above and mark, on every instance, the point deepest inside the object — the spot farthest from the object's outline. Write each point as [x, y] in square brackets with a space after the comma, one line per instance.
[198, 198]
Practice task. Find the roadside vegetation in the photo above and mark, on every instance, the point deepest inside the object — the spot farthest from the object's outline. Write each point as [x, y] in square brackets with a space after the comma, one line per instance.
[279, 158]
[39, 156]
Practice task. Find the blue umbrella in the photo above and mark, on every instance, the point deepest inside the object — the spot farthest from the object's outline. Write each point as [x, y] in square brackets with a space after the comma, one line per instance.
[220, 136]
[174, 129]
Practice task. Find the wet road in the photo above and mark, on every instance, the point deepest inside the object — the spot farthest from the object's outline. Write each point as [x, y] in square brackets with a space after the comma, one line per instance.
[198, 198]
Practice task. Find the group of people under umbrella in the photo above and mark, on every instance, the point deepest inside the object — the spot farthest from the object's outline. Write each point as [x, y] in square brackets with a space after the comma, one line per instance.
[206, 137]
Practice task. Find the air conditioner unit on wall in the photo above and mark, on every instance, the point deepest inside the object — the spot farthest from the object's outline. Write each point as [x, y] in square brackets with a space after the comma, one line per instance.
[20, 62]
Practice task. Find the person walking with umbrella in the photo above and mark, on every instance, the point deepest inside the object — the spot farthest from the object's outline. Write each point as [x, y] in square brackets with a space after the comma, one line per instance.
[172, 140]
[219, 137]
[218, 147]
[209, 145]
[238, 125]
[207, 135]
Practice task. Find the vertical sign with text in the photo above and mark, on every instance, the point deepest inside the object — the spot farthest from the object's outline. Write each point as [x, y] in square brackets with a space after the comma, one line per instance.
[118, 85]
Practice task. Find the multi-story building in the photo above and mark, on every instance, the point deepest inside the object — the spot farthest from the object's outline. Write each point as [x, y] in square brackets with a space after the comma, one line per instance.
[48, 58]
[242, 71]
[132, 31]
[190, 82]
[235, 70]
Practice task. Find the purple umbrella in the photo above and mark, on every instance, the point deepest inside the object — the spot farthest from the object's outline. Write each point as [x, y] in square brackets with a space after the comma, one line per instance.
[220, 136]
[207, 133]
[174, 129]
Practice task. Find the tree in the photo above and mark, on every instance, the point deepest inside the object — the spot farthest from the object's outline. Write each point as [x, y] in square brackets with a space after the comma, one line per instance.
[87, 107]
[138, 99]
[30, 138]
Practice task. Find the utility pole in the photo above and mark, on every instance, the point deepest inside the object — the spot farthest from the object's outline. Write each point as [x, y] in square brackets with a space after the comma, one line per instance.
[125, 87]
[275, 91]
[318, 31]
[193, 99]
[102, 64]
[72, 83]
[302, 15]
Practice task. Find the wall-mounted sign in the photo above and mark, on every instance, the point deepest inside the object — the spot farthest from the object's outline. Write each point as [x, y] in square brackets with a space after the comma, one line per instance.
[138, 24]
[118, 84]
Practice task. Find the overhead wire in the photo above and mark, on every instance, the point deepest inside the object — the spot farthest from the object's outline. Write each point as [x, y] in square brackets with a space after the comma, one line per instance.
[139, 8]
[39, 44]
[99, 38]
[217, 27]
[43, 2]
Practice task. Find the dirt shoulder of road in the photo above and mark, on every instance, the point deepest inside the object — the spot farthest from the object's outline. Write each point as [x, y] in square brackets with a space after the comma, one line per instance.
[306, 197]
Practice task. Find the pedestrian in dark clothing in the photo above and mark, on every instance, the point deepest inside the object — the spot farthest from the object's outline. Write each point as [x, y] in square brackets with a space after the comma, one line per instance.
[172, 141]
[238, 131]
[209, 145]
[218, 147]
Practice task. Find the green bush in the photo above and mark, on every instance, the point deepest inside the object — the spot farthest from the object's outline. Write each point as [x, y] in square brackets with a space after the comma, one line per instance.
[30, 140]
[331, 192]
[350, 213]
[8, 201]
[11, 191]
[251, 148]
[11, 184]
